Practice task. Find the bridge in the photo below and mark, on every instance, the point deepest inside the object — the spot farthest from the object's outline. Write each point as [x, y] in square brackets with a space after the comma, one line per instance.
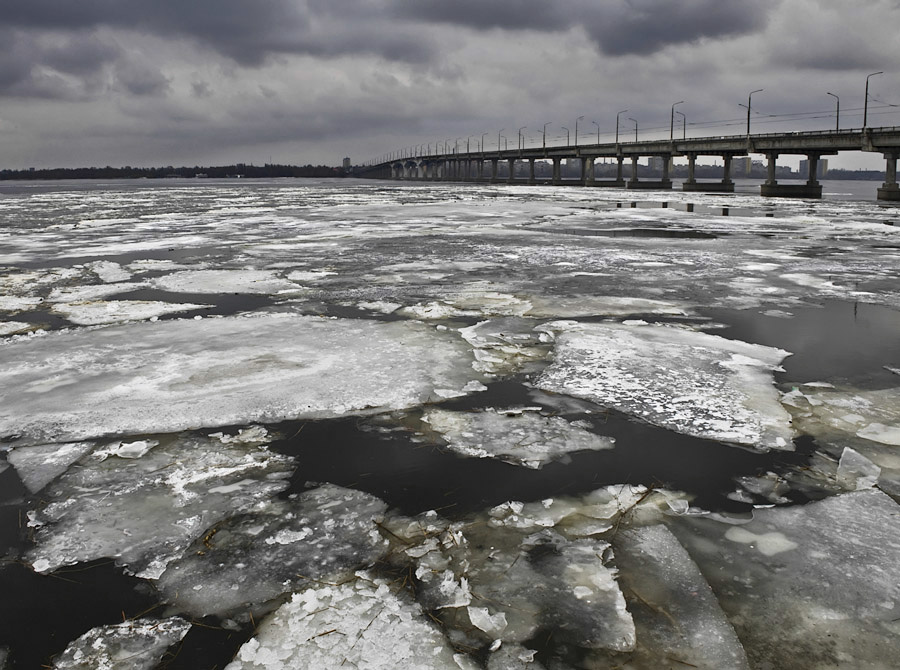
[482, 166]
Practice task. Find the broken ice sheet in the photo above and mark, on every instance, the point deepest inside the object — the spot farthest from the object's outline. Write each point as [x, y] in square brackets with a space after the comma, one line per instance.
[131, 645]
[365, 623]
[38, 465]
[114, 311]
[144, 512]
[816, 585]
[523, 438]
[568, 307]
[506, 346]
[173, 375]
[676, 615]
[690, 382]
[318, 536]
[224, 281]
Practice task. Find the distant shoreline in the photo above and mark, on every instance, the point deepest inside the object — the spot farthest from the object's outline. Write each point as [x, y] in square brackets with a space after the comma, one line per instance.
[236, 171]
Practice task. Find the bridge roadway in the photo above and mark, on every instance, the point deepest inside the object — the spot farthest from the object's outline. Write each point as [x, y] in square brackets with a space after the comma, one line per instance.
[470, 166]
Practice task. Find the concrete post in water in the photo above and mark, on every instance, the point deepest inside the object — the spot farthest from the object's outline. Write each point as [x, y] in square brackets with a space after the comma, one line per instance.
[890, 190]
[494, 162]
[692, 168]
[619, 176]
[531, 179]
[770, 180]
[665, 169]
[726, 171]
[634, 169]
[512, 170]
[813, 162]
[480, 169]
[557, 172]
[590, 171]
[583, 177]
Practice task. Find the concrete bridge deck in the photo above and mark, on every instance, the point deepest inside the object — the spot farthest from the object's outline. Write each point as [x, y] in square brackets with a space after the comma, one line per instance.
[469, 166]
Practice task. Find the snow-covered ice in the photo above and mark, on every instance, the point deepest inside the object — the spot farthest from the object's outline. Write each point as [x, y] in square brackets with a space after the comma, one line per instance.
[131, 645]
[38, 465]
[521, 437]
[114, 311]
[224, 281]
[365, 623]
[322, 535]
[690, 382]
[144, 512]
[173, 375]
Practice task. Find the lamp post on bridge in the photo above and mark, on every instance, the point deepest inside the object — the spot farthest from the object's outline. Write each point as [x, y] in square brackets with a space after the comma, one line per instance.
[635, 128]
[567, 134]
[482, 145]
[866, 103]
[598, 131]
[749, 97]
[837, 115]
[544, 140]
[576, 129]
[672, 120]
[498, 138]
[521, 143]
[683, 126]
[618, 114]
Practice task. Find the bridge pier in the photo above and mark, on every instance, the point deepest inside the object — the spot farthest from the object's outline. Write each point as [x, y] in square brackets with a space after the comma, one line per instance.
[663, 184]
[531, 179]
[811, 189]
[494, 171]
[890, 190]
[557, 171]
[511, 178]
[724, 186]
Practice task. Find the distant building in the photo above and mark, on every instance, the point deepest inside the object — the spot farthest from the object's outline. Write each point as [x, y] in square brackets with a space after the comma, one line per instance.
[346, 163]
[742, 166]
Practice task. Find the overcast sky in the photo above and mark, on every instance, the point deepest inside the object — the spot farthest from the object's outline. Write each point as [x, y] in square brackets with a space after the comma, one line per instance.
[187, 82]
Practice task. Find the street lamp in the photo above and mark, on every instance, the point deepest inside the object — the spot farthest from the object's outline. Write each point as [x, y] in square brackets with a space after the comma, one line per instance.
[635, 128]
[467, 143]
[482, 143]
[618, 114]
[672, 120]
[576, 129]
[748, 107]
[567, 134]
[498, 138]
[598, 131]
[837, 123]
[521, 144]
[684, 125]
[866, 103]
[544, 140]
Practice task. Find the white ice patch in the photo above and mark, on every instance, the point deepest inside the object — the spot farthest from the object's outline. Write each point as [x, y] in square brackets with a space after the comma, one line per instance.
[224, 281]
[693, 383]
[856, 472]
[14, 327]
[366, 623]
[321, 535]
[568, 307]
[92, 292]
[13, 303]
[37, 466]
[115, 311]
[309, 275]
[134, 449]
[145, 511]
[524, 438]
[109, 272]
[130, 645]
[173, 375]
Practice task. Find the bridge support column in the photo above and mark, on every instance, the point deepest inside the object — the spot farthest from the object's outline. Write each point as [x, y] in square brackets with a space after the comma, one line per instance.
[811, 189]
[494, 162]
[692, 169]
[531, 179]
[590, 172]
[479, 169]
[511, 162]
[557, 172]
[619, 176]
[890, 190]
[634, 170]
[726, 171]
[665, 170]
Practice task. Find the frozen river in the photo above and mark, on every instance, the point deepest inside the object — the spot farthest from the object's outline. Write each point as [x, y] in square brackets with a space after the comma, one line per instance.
[338, 423]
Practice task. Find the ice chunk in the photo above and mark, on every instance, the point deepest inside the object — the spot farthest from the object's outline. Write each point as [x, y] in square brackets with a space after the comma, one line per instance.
[114, 311]
[856, 472]
[366, 623]
[12, 303]
[323, 535]
[525, 438]
[13, 327]
[878, 432]
[167, 376]
[37, 466]
[513, 657]
[676, 615]
[144, 512]
[690, 382]
[505, 346]
[109, 271]
[816, 585]
[92, 292]
[224, 281]
[564, 307]
[134, 449]
[131, 645]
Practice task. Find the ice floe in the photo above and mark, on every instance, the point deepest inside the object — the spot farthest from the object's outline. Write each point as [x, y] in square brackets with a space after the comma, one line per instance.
[145, 511]
[819, 581]
[15, 327]
[322, 535]
[92, 291]
[115, 311]
[172, 375]
[694, 383]
[131, 645]
[521, 437]
[109, 271]
[224, 281]
[38, 465]
[13, 303]
[365, 623]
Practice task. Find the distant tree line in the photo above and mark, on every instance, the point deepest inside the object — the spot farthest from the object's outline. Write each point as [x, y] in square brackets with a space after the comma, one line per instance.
[216, 172]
